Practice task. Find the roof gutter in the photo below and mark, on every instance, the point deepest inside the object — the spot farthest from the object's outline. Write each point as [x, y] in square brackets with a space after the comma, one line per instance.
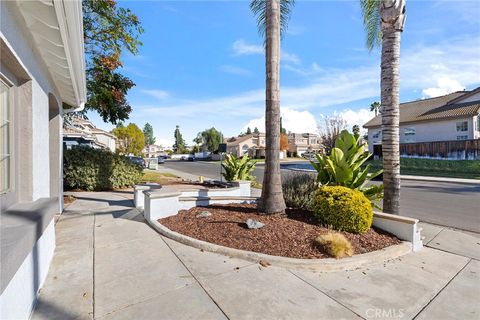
[70, 21]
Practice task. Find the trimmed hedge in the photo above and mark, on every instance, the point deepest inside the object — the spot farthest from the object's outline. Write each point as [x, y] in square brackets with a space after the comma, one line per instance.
[91, 169]
[343, 208]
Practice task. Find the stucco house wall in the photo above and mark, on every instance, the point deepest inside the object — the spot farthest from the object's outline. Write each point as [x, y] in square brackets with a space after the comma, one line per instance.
[106, 139]
[35, 94]
[427, 132]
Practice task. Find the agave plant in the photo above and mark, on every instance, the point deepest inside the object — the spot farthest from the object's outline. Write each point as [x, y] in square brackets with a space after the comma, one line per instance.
[343, 167]
[237, 169]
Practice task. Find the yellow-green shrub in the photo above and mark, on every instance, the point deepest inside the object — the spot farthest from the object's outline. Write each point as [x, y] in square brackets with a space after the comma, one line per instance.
[343, 208]
[335, 245]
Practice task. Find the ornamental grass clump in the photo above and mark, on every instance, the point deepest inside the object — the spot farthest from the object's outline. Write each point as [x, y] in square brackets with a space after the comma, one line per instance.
[343, 208]
[334, 244]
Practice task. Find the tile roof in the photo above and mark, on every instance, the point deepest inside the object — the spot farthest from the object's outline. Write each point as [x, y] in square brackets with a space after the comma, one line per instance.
[437, 108]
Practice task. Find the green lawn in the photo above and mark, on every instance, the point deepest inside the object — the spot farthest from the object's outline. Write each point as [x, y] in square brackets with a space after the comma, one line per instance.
[157, 177]
[467, 169]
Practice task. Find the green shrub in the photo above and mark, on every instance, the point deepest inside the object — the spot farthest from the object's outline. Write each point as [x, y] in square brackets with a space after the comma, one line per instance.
[343, 167]
[95, 169]
[236, 169]
[298, 190]
[343, 208]
[334, 244]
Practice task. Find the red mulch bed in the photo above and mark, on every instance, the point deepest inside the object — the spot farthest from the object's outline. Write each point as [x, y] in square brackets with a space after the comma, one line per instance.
[288, 236]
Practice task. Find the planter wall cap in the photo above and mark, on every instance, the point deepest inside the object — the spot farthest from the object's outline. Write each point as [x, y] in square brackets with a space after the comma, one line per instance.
[223, 189]
[158, 194]
[218, 198]
[395, 217]
[328, 264]
[147, 186]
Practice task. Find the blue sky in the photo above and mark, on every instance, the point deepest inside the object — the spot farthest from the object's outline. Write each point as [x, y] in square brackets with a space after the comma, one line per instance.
[202, 63]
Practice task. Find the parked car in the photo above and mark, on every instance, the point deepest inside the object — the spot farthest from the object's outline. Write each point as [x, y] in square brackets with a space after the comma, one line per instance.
[161, 159]
[309, 155]
[137, 160]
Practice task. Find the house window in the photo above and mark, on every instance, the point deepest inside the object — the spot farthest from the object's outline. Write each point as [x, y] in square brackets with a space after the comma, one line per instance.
[377, 134]
[312, 141]
[462, 126]
[478, 123]
[462, 137]
[409, 131]
[4, 138]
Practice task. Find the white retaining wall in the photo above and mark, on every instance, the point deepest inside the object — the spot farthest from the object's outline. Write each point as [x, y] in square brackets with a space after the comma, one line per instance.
[160, 203]
[163, 203]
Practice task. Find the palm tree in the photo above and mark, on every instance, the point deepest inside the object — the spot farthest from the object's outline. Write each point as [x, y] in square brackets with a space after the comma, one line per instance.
[272, 20]
[375, 107]
[385, 19]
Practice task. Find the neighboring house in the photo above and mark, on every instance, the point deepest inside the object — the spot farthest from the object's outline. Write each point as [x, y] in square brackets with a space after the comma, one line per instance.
[302, 142]
[42, 76]
[153, 151]
[84, 133]
[252, 145]
[446, 126]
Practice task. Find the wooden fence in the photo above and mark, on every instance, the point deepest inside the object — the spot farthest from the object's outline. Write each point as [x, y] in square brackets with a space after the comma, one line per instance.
[459, 150]
[455, 150]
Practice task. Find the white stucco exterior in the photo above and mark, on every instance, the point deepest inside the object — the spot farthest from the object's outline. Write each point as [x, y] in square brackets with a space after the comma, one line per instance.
[41, 66]
[428, 131]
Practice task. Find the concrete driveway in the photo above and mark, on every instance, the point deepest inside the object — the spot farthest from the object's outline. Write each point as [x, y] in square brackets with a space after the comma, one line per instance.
[109, 264]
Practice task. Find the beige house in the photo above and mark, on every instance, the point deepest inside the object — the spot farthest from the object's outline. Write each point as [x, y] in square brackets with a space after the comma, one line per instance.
[153, 151]
[302, 142]
[451, 118]
[83, 132]
[251, 144]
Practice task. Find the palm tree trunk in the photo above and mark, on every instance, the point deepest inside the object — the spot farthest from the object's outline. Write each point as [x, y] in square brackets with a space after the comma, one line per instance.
[390, 87]
[272, 196]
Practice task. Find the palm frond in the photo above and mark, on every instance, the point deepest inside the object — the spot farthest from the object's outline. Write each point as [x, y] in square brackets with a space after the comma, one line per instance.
[371, 22]
[259, 9]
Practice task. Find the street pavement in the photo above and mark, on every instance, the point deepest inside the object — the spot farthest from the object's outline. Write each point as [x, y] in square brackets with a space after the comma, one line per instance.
[449, 204]
[109, 264]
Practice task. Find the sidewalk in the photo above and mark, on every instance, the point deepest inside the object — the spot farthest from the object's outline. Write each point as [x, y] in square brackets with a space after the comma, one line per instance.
[109, 264]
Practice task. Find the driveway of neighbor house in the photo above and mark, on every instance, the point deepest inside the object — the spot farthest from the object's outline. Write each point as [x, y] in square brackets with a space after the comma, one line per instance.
[109, 264]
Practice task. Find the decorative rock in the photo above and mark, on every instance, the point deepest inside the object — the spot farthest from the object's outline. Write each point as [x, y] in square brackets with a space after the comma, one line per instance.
[204, 214]
[254, 224]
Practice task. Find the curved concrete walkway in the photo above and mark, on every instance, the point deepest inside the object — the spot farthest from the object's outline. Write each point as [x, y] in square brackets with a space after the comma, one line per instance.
[109, 264]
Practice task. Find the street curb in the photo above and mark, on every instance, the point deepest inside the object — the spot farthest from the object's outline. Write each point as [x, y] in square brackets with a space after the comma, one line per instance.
[440, 179]
[328, 264]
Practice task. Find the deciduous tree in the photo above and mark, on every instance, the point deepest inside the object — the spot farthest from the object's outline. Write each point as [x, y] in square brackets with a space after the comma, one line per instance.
[209, 139]
[109, 30]
[130, 139]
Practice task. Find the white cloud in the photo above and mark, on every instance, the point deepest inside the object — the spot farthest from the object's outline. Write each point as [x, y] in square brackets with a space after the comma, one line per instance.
[421, 67]
[158, 94]
[241, 47]
[356, 117]
[445, 85]
[292, 120]
[166, 143]
[289, 57]
[235, 70]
